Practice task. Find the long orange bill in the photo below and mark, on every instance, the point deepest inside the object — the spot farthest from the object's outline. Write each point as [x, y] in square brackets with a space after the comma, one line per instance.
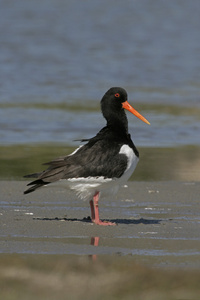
[127, 106]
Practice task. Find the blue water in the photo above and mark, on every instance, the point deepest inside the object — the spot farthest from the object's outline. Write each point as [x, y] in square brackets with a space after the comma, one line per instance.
[56, 52]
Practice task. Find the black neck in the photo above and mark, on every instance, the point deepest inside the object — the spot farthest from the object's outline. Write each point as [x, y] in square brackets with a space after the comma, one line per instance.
[118, 122]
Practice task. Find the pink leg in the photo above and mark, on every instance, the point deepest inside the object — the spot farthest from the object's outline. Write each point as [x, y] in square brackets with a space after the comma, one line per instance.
[95, 211]
[92, 209]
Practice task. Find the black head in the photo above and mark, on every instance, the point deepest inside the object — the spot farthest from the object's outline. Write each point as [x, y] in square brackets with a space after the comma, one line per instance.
[112, 108]
[113, 99]
[113, 104]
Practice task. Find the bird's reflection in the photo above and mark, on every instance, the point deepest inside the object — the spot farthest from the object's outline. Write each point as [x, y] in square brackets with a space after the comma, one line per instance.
[94, 242]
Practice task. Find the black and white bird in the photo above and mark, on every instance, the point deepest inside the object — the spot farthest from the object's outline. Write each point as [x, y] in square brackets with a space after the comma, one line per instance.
[101, 165]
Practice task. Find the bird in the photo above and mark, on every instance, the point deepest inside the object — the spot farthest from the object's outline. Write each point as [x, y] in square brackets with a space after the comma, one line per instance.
[102, 164]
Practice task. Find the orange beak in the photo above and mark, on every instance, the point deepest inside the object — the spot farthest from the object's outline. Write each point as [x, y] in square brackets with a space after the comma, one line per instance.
[127, 106]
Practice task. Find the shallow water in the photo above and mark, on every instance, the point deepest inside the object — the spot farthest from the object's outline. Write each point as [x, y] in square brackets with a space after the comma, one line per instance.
[59, 57]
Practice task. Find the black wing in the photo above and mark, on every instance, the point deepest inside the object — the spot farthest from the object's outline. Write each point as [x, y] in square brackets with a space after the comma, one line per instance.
[99, 157]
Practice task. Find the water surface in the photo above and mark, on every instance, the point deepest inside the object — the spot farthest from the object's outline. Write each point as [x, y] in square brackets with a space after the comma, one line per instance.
[59, 57]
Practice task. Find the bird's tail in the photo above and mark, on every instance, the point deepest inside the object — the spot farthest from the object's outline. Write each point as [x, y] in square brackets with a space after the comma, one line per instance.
[35, 184]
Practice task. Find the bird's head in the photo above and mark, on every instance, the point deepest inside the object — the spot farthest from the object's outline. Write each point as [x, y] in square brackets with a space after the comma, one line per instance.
[114, 102]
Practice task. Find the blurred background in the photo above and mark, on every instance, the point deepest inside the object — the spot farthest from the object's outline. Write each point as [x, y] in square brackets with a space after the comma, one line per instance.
[58, 58]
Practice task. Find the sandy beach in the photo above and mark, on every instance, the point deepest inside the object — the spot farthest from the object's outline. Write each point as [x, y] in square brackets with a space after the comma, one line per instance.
[48, 241]
[157, 223]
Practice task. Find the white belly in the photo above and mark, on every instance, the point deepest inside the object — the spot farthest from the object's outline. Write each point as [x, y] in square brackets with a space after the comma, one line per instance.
[85, 188]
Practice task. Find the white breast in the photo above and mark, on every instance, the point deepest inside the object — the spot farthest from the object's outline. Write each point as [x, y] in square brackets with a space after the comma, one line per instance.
[132, 161]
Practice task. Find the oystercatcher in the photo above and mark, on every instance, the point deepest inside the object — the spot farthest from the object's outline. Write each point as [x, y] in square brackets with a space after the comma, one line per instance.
[104, 163]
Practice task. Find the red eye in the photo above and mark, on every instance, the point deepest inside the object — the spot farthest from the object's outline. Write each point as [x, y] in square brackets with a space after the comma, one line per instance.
[117, 95]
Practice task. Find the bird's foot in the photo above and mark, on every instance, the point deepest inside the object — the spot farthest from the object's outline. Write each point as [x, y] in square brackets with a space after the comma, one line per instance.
[103, 223]
[95, 212]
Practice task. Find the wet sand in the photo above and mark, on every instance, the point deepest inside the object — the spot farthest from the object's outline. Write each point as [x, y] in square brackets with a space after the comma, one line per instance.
[51, 250]
[158, 223]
